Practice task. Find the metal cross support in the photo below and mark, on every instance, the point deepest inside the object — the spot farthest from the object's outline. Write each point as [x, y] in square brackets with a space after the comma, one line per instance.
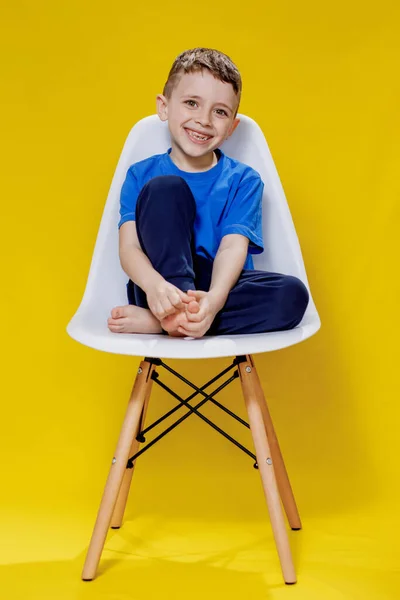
[184, 403]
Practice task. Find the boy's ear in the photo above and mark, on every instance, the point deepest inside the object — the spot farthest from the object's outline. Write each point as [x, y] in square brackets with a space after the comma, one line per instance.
[162, 107]
[234, 125]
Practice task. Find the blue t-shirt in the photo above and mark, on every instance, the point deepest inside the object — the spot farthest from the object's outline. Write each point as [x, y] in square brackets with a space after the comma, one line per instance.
[228, 200]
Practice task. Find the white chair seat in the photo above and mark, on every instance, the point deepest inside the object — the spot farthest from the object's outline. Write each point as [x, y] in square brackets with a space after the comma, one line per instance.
[90, 330]
[106, 286]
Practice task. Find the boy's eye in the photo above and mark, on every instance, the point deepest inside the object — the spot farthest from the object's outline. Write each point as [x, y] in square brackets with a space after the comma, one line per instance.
[221, 111]
[191, 102]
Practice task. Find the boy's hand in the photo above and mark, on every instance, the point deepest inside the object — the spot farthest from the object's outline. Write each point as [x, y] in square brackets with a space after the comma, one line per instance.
[165, 299]
[199, 323]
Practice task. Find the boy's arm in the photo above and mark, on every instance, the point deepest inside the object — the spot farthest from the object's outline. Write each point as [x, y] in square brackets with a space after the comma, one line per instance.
[163, 298]
[242, 220]
[228, 264]
[133, 260]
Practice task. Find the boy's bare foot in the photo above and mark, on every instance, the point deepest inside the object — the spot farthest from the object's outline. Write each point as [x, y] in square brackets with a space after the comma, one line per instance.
[133, 319]
[172, 322]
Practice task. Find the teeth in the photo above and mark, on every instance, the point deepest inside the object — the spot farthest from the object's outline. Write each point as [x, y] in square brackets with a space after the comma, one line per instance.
[197, 136]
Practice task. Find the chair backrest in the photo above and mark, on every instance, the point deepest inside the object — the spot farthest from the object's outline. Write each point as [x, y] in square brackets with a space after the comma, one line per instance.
[106, 281]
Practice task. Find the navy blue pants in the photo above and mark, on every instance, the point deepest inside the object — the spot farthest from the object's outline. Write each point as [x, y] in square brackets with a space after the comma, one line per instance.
[259, 302]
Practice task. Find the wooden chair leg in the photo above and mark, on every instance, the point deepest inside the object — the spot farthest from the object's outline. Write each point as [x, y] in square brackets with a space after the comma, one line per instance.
[251, 393]
[118, 467]
[281, 475]
[120, 506]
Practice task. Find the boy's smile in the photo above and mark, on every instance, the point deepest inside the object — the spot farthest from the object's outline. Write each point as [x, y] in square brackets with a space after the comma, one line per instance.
[201, 116]
[197, 136]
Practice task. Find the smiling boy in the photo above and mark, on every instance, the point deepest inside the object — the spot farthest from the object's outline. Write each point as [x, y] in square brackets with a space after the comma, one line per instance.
[191, 220]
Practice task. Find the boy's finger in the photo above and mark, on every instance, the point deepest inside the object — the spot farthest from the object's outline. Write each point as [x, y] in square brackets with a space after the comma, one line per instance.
[176, 300]
[169, 309]
[183, 296]
[195, 317]
[192, 327]
[159, 311]
[197, 294]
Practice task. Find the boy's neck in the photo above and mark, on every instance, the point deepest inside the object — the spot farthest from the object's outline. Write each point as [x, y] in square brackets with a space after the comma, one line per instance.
[193, 164]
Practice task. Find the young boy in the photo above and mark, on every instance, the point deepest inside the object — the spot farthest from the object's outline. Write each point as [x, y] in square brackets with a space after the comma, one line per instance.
[191, 219]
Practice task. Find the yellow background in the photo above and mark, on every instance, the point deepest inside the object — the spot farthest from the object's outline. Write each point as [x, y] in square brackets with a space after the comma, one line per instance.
[322, 82]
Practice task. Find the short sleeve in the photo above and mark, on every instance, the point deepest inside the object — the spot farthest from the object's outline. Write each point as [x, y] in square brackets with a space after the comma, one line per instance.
[245, 214]
[128, 198]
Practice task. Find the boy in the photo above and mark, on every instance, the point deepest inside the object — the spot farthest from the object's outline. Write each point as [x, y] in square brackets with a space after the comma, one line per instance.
[191, 219]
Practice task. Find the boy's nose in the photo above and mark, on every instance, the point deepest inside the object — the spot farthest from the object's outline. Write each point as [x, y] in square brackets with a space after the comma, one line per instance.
[203, 119]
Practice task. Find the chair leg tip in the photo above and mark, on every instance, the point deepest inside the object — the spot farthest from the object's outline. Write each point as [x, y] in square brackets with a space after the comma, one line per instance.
[86, 579]
[290, 582]
[116, 527]
[296, 528]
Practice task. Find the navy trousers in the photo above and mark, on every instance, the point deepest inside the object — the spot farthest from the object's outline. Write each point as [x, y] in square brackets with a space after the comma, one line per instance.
[259, 302]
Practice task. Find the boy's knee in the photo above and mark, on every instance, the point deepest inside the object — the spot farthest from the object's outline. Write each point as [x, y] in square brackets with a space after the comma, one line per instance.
[162, 198]
[167, 183]
[297, 298]
[165, 192]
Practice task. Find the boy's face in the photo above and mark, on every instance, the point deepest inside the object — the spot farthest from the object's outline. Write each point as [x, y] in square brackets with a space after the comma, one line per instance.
[200, 113]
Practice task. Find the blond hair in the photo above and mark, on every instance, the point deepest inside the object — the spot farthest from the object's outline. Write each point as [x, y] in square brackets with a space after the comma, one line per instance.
[197, 59]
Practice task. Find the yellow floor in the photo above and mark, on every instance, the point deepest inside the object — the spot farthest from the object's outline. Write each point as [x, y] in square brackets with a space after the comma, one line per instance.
[171, 547]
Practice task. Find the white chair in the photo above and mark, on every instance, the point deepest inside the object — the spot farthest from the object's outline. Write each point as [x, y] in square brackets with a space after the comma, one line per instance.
[106, 288]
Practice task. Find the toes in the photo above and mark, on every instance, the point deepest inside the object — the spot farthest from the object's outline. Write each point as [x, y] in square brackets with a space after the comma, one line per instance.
[172, 322]
[193, 307]
[114, 321]
[184, 320]
[176, 333]
[119, 311]
[115, 313]
[180, 318]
